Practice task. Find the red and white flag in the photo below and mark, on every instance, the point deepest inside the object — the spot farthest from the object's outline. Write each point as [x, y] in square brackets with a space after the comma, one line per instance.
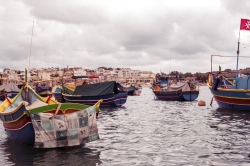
[245, 24]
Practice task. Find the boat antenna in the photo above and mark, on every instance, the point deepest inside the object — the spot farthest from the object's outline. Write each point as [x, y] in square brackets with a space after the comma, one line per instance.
[244, 25]
[169, 63]
[31, 44]
[26, 78]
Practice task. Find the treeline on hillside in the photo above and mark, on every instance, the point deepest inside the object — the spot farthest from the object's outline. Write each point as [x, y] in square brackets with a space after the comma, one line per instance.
[201, 77]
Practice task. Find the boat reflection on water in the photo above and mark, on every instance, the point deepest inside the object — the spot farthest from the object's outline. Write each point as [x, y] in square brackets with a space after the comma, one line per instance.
[20, 154]
[230, 121]
[231, 128]
[231, 116]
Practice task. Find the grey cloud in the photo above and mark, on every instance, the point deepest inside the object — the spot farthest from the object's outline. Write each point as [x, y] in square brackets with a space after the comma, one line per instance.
[83, 33]
[236, 7]
[73, 12]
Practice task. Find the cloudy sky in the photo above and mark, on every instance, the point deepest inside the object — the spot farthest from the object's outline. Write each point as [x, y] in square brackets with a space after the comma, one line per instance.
[151, 35]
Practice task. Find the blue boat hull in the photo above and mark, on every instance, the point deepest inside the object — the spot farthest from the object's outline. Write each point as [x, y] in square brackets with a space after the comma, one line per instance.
[115, 100]
[177, 95]
[232, 98]
[18, 126]
[24, 135]
[58, 97]
[190, 95]
[8, 94]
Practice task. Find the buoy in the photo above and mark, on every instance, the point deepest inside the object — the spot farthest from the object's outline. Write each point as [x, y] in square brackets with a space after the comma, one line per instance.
[201, 103]
[157, 88]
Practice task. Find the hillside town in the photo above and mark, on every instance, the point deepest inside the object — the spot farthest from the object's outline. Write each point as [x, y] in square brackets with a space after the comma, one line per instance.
[53, 76]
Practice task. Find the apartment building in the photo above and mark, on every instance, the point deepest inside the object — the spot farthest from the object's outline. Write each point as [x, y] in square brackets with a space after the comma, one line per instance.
[52, 76]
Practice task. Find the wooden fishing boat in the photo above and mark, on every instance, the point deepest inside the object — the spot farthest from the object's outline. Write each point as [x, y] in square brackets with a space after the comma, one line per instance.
[44, 123]
[68, 88]
[91, 93]
[57, 93]
[130, 89]
[8, 90]
[228, 94]
[44, 90]
[231, 94]
[137, 92]
[175, 91]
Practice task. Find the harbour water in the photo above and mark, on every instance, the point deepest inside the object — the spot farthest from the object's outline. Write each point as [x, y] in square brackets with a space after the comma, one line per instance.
[146, 131]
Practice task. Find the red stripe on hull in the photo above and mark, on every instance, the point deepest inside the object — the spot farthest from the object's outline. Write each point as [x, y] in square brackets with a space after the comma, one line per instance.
[17, 124]
[232, 100]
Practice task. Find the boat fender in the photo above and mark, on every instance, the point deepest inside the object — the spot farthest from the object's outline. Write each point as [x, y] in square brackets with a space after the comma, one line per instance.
[201, 103]
[157, 88]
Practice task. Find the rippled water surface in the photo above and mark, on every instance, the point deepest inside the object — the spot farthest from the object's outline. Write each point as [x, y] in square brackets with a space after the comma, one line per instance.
[151, 132]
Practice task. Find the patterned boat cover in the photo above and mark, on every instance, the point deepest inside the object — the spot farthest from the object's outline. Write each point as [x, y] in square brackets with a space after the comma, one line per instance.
[65, 129]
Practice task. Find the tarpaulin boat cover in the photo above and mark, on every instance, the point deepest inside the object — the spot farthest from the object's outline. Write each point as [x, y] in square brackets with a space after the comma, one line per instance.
[72, 86]
[43, 88]
[97, 89]
[10, 87]
[119, 86]
[179, 85]
[125, 88]
[76, 128]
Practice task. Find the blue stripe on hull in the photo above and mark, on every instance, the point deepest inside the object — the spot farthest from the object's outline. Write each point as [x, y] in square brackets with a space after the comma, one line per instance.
[176, 95]
[13, 116]
[232, 99]
[232, 93]
[2, 98]
[23, 135]
[44, 95]
[171, 98]
[10, 95]
[108, 100]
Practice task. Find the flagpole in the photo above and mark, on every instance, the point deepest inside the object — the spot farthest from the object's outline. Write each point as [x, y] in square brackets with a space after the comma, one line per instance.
[238, 52]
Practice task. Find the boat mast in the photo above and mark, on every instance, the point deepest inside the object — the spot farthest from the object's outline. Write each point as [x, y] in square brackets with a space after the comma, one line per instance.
[211, 63]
